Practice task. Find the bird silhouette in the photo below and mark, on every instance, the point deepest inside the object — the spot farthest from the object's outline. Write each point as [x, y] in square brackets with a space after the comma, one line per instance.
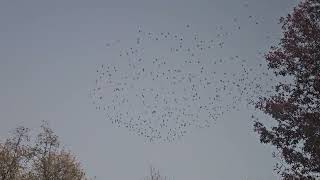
[164, 84]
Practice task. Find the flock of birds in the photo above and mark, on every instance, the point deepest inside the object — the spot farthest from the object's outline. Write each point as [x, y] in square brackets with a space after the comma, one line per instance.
[165, 84]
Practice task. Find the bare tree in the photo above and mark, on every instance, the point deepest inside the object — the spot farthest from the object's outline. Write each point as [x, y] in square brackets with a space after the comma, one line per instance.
[155, 175]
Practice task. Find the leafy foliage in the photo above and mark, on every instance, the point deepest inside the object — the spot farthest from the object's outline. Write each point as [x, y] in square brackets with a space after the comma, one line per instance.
[43, 160]
[296, 105]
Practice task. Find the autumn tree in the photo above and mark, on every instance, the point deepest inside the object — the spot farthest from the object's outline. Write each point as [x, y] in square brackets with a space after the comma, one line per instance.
[43, 160]
[14, 155]
[295, 107]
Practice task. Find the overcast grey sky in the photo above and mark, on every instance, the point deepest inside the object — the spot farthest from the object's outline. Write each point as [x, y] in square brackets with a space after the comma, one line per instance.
[49, 53]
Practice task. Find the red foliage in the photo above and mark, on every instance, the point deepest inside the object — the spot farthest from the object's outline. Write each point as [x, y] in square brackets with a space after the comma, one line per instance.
[296, 106]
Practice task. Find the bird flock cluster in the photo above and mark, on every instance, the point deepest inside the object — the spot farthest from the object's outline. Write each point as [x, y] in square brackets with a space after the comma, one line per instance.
[164, 84]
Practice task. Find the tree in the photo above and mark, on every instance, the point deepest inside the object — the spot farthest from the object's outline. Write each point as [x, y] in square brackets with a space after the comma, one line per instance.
[14, 155]
[155, 175]
[42, 160]
[295, 107]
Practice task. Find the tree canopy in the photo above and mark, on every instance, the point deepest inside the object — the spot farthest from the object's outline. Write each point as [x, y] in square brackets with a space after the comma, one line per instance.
[295, 107]
[21, 159]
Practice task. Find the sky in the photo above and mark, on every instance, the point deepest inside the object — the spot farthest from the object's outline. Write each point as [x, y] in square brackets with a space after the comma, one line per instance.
[50, 52]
